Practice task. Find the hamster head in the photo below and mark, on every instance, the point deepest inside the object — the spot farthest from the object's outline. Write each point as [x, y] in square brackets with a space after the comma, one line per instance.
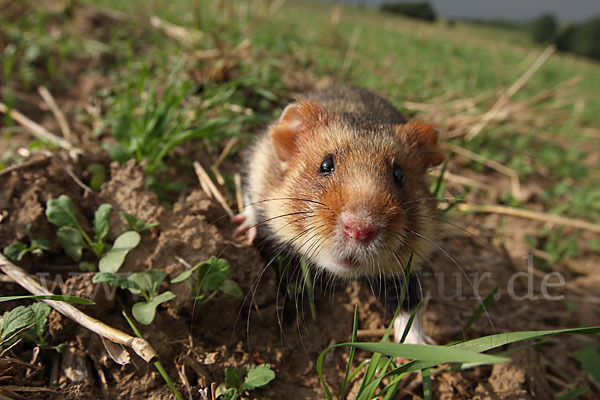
[355, 199]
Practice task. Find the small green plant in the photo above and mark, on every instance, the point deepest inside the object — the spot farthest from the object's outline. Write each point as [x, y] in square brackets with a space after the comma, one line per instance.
[237, 382]
[98, 175]
[27, 323]
[16, 251]
[212, 277]
[138, 225]
[144, 283]
[556, 243]
[74, 239]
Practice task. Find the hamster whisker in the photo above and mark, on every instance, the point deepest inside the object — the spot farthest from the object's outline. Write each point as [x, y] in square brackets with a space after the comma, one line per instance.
[281, 216]
[256, 282]
[422, 199]
[451, 224]
[462, 270]
[286, 198]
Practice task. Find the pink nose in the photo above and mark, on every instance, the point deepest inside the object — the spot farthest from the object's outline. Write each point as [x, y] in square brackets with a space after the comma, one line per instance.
[363, 231]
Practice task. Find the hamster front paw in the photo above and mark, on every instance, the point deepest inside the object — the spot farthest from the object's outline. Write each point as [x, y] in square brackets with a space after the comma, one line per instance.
[247, 221]
[415, 335]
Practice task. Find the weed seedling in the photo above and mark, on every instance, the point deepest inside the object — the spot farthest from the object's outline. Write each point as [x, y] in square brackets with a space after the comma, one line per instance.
[138, 225]
[74, 239]
[236, 383]
[16, 251]
[212, 277]
[29, 320]
[144, 283]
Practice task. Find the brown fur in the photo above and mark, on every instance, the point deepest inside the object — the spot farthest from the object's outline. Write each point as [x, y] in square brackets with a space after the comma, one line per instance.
[298, 207]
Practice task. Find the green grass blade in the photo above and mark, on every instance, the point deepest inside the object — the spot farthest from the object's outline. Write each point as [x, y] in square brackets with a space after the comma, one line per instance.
[372, 368]
[311, 297]
[410, 322]
[437, 354]
[493, 341]
[55, 297]
[370, 393]
[440, 179]
[482, 307]
[352, 351]
[427, 387]
[159, 367]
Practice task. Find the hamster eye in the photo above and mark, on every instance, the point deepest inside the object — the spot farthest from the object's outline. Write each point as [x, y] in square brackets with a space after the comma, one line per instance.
[398, 175]
[327, 166]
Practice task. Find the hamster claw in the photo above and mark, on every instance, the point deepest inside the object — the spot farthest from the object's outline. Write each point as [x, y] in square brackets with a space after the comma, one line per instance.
[247, 226]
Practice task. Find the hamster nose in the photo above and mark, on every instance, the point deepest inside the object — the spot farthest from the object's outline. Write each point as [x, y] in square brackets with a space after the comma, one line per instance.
[358, 228]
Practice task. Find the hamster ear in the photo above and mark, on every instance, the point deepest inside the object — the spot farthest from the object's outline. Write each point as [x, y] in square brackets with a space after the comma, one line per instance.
[425, 136]
[296, 120]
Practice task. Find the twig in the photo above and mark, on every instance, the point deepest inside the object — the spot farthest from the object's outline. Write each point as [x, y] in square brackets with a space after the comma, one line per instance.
[232, 142]
[140, 346]
[77, 180]
[30, 389]
[370, 333]
[511, 173]
[350, 51]
[110, 13]
[515, 87]
[467, 181]
[237, 179]
[58, 114]
[520, 107]
[177, 32]
[274, 7]
[535, 215]
[39, 131]
[25, 164]
[207, 184]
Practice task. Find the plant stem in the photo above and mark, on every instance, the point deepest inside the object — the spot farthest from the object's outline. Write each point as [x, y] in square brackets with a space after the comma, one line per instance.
[159, 367]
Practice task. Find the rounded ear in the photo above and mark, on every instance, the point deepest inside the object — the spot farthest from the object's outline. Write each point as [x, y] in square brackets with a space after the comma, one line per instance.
[425, 136]
[296, 120]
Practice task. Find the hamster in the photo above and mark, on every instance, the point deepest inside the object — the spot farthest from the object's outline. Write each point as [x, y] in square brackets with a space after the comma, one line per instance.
[340, 179]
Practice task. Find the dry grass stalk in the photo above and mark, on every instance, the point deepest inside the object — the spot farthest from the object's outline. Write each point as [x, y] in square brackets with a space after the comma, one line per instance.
[467, 181]
[274, 7]
[351, 50]
[209, 187]
[39, 131]
[528, 214]
[56, 111]
[515, 87]
[77, 180]
[140, 346]
[228, 146]
[511, 173]
[237, 179]
[26, 164]
[215, 167]
[186, 36]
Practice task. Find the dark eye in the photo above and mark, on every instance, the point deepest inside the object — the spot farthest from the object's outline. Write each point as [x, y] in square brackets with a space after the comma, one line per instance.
[327, 166]
[398, 175]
